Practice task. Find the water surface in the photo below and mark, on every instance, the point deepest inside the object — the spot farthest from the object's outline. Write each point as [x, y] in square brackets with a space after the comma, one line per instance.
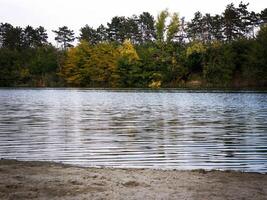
[165, 129]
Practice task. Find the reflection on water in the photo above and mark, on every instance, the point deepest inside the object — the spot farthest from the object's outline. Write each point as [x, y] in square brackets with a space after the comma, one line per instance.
[181, 130]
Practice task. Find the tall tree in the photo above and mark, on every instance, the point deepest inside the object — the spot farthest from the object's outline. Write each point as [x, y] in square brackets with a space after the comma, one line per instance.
[102, 32]
[132, 29]
[161, 25]
[146, 25]
[216, 30]
[245, 25]
[173, 27]
[231, 22]
[90, 35]
[41, 36]
[11, 37]
[116, 29]
[167, 32]
[195, 27]
[64, 36]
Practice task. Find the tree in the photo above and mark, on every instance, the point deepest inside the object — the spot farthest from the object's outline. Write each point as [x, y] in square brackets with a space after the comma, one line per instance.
[93, 66]
[128, 65]
[216, 28]
[122, 28]
[219, 65]
[245, 26]
[195, 27]
[90, 35]
[102, 32]
[255, 67]
[231, 23]
[11, 37]
[161, 25]
[29, 37]
[9, 68]
[146, 24]
[116, 29]
[41, 36]
[132, 29]
[33, 38]
[167, 32]
[195, 54]
[64, 36]
[43, 66]
[102, 66]
[173, 27]
[73, 67]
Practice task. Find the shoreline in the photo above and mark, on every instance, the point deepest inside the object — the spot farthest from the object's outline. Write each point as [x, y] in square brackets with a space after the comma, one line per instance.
[171, 90]
[48, 180]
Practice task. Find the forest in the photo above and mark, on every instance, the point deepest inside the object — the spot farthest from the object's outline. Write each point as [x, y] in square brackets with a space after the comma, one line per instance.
[141, 51]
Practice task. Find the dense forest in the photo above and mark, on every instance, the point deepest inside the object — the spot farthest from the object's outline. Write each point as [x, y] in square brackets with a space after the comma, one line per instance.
[223, 50]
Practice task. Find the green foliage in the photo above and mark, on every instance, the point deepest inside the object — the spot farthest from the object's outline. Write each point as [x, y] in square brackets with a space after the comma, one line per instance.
[146, 24]
[161, 25]
[167, 32]
[195, 54]
[90, 35]
[9, 68]
[42, 66]
[129, 69]
[64, 36]
[255, 69]
[173, 27]
[219, 66]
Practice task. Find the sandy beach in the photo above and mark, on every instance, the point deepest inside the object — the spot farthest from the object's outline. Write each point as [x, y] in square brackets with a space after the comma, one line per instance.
[45, 180]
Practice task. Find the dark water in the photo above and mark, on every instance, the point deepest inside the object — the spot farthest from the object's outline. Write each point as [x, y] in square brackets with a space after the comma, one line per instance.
[168, 129]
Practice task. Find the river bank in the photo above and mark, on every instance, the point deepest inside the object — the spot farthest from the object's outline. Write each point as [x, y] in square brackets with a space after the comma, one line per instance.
[44, 180]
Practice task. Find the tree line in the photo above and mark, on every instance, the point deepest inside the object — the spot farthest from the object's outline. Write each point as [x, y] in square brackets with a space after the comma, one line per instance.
[222, 50]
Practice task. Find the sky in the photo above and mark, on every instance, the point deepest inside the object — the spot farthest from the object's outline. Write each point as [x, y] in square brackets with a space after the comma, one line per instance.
[75, 14]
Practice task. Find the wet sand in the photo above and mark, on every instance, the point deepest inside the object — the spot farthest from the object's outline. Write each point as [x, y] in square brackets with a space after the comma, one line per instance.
[44, 180]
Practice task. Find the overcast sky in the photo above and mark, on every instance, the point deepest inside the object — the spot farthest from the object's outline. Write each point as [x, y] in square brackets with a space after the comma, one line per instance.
[54, 13]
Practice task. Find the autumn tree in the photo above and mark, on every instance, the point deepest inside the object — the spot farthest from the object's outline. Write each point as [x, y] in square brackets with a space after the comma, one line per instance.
[102, 65]
[73, 70]
[128, 65]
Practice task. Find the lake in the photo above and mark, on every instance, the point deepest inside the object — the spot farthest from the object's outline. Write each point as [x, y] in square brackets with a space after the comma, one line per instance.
[167, 129]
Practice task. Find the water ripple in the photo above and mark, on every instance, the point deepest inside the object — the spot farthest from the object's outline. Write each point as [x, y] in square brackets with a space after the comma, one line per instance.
[173, 130]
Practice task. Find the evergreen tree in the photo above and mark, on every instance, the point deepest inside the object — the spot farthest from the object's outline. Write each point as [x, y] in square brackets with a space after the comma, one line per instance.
[64, 36]
[90, 35]
[146, 24]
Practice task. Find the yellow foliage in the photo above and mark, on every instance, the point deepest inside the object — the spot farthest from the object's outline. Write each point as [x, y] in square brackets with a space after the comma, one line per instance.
[24, 73]
[76, 58]
[155, 84]
[103, 63]
[128, 51]
[196, 47]
[156, 81]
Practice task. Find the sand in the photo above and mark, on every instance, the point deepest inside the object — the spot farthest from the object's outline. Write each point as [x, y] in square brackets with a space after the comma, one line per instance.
[44, 180]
